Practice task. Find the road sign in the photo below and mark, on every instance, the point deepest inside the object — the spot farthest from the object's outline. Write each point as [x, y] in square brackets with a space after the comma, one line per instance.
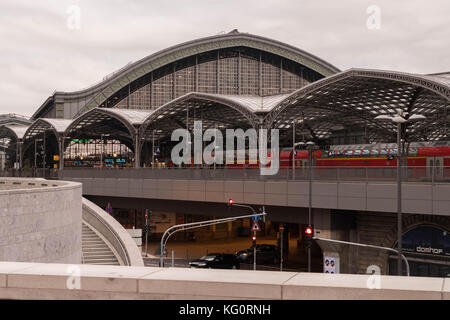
[108, 208]
[256, 226]
[255, 218]
[330, 264]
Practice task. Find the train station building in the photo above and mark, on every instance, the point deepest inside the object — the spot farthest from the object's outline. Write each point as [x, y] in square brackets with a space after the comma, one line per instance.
[240, 80]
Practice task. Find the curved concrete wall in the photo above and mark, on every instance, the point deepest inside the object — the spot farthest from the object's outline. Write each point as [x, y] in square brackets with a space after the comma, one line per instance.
[40, 220]
[122, 243]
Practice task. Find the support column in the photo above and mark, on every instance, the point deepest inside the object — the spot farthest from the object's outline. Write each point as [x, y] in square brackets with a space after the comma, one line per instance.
[137, 150]
[61, 152]
[20, 143]
[260, 75]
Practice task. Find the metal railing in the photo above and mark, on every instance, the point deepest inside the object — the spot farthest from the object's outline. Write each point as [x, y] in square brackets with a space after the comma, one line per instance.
[365, 174]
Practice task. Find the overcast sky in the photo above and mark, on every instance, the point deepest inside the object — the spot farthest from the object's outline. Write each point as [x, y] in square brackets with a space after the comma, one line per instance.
[41, 51]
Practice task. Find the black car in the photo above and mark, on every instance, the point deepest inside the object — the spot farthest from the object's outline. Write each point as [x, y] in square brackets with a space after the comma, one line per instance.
[216, 261]
[265, 254]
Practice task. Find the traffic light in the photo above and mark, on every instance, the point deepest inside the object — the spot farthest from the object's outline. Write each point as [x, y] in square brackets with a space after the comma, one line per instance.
[230, 202]
[308, 233]
[254, 242]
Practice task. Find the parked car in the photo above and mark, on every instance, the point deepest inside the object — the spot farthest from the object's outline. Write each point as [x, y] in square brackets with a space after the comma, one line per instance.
[216, 261]
[265, 254]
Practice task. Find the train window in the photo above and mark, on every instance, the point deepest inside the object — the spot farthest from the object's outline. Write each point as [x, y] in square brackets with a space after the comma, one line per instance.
[324, 154]
[339, 153]
[366, 153]
[412, 152]
[331, 154]
[393, 151]
[374, 153]
[348, 153]
[357, 153]
[383, 152]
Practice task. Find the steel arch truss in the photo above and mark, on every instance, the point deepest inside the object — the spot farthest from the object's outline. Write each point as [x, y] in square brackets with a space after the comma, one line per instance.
[352, 99]
[215, 112]
[130, 73]
[42, 125]
[98, 122]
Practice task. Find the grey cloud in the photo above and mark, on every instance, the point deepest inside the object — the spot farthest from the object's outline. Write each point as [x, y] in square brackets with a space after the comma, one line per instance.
[40, 54]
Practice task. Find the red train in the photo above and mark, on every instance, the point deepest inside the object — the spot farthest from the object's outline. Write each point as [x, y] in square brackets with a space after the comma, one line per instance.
[370, 157]
[423, 159]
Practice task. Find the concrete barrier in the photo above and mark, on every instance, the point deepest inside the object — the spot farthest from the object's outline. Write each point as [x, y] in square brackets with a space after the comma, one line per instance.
[40, 220]
[62, 281]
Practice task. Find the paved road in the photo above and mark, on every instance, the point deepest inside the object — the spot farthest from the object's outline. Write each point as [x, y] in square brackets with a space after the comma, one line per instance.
[183, 263]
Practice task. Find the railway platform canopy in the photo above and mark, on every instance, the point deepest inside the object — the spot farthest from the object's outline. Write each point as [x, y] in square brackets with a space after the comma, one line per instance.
[238, 80]
[345, 103]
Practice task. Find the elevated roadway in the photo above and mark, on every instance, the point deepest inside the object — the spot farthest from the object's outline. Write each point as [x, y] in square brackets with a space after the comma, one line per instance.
[364, 190]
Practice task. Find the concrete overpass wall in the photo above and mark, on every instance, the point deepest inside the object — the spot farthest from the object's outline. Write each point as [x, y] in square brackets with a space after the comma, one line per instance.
[40, 220]
[59, 281]
[379, 196]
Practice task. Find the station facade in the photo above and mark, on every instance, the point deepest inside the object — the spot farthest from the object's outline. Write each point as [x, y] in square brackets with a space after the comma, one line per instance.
[239, 80]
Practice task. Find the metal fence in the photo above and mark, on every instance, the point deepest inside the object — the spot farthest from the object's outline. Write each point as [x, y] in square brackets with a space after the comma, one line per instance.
[409, 174]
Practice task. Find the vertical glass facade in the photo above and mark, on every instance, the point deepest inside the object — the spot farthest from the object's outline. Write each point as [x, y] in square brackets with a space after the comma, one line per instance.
[232, 71]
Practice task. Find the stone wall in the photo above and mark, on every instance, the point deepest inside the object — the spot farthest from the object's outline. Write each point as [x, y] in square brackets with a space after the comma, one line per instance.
[40, 220]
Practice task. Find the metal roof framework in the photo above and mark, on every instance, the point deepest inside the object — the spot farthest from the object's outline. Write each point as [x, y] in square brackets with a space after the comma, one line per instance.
[12, 118]
[120, 124]
[142, 67]
[214, 110]
[349, 100]
[43, 125]
[352, 99]
[16, 132]
[11, 136]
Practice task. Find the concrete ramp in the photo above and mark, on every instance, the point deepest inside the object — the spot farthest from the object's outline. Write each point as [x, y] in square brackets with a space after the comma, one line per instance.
[105, 241]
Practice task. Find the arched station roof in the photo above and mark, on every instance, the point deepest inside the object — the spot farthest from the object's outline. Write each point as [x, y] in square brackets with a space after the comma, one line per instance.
[118, 123]
[15, 132]
[42, 125]
[10, 136]
[39, 126]
[353, 98]
[131, 73]
[214, 110]
[15, 119]
[190, 48]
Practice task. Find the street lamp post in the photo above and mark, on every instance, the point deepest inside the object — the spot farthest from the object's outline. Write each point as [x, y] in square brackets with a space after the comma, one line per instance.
[103, 148]
[35, 153]
[310, 147]
[400, 118]
[44, 157]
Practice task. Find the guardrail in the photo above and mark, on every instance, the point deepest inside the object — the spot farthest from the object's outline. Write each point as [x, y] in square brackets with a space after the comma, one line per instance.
[409, 174]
